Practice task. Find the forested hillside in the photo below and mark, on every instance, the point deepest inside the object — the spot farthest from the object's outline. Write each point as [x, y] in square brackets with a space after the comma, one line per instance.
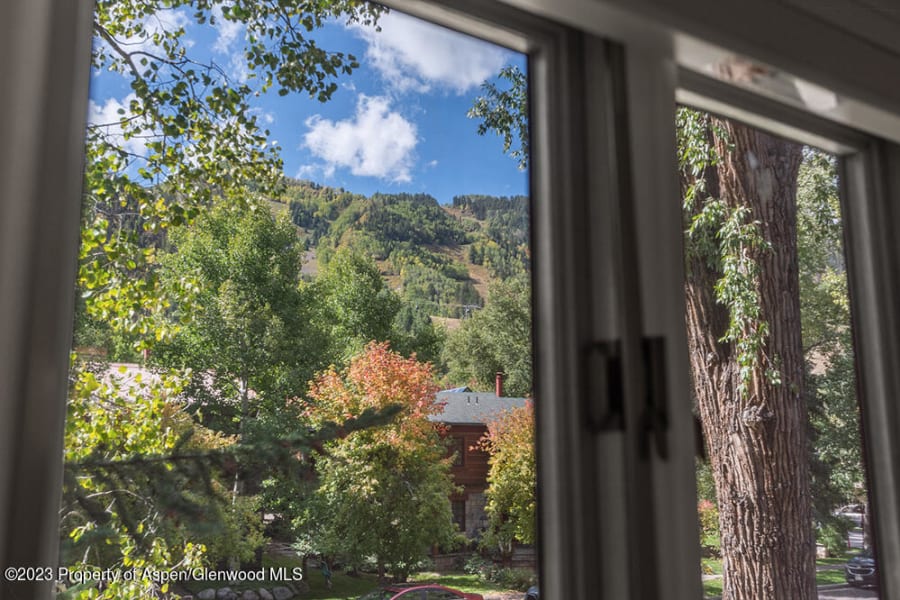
[439, 259]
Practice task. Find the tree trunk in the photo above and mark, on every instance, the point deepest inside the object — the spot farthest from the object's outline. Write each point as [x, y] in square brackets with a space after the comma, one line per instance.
[756, 439]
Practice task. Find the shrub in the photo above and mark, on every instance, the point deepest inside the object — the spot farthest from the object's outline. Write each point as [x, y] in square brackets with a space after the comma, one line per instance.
[708, 514]
[833, 535]
[477, 565]
[489, 572]
[517, 579]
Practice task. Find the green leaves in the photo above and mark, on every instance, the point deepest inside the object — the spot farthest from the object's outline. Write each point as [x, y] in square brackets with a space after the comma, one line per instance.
[729, 240]
[247, 322]
[512, 480]
[383, 492]
[505, 112]
[185, 137]
[495, 339]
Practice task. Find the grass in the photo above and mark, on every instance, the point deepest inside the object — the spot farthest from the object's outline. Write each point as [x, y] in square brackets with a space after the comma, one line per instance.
[712, 587]
[838, 561]
[831, 576]
[345, 587]
[830, 571]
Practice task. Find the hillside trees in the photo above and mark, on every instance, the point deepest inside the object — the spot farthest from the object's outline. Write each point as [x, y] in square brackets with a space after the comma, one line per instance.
[503, 246]
[384, 492]
[411, 236]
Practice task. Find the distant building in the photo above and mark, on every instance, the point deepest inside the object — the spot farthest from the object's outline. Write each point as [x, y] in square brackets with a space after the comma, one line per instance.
[466, 415]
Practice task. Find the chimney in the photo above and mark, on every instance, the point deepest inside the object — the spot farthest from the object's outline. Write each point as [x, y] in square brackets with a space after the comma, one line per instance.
[498, 386]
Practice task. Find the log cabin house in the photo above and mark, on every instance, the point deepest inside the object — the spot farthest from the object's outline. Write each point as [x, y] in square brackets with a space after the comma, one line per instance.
[466, 415]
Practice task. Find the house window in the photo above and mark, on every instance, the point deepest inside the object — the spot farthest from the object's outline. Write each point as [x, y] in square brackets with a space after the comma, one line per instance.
[459, 513]
[458, 448]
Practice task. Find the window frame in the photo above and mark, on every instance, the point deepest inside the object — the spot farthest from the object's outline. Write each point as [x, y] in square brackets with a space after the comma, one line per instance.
[869, 186]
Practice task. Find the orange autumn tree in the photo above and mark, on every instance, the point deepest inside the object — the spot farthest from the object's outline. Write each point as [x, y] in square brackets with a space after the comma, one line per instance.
[511, 496]
[383, 491]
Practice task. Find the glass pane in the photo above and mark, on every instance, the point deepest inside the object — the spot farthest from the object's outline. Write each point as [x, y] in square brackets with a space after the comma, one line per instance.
[782, 492]
[302, 353]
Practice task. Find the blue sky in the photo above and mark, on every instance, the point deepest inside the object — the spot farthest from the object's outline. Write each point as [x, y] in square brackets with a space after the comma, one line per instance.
[397, 124]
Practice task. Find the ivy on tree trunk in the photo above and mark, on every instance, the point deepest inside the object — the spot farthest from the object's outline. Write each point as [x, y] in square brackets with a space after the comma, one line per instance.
[743, 324]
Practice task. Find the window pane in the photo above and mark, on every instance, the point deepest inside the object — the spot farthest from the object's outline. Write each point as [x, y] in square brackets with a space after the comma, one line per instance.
[782, 493]
[280, 345]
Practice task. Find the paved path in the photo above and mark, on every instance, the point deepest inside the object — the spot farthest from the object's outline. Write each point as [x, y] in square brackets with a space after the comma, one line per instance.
[845, 591]
[838, 592]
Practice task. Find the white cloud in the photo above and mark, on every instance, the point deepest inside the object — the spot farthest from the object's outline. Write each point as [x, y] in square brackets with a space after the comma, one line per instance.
[226, 31]
[415, 55]
[308, 171]
[238, 69]
[162, 21]
[107, 117]
[375, 142]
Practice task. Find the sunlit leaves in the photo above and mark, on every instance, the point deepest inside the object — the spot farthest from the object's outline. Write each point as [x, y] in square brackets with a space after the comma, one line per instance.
[511, 493]
[107, 516]
[185, 135]
[729, 239]
[495, 339]
[383, 491]
[505, 112]
[249, 325]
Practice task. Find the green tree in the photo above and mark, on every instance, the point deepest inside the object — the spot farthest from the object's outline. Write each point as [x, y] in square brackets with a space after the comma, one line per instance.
[355, 302]
[185, 136]
[837, 470]
[247, 331]
[505, 112]
[495, 339]
[511, 497]
[358, 307]
[384, 492]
